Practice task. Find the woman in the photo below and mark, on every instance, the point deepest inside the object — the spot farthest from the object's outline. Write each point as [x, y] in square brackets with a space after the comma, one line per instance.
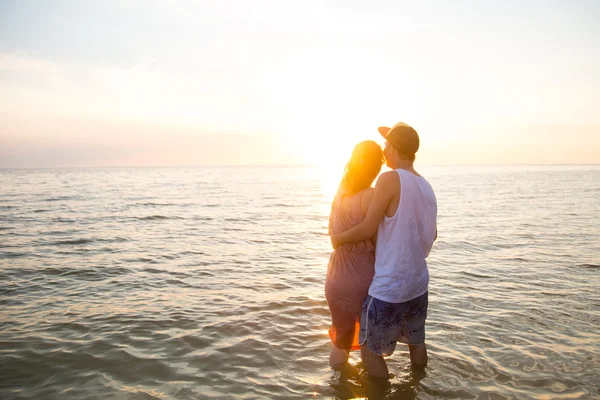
[351, 266]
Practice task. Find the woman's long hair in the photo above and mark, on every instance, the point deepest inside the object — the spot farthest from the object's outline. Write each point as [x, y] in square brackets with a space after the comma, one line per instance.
[362, 169]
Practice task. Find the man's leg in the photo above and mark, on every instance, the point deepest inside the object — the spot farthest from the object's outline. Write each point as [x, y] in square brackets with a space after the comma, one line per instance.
[374, 364]
[414, 329]
[418, 355]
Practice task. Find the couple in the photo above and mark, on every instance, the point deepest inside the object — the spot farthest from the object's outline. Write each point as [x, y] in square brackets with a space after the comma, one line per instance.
[377, 273]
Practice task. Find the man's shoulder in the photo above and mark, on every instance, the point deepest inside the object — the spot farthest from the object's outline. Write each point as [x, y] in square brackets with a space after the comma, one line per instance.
[388, 179]
[388, 185]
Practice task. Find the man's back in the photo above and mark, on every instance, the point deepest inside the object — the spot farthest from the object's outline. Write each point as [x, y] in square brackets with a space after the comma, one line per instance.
[404, 240]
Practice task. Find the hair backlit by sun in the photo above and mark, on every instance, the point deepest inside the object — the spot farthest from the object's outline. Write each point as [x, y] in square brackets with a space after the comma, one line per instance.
[328, 153]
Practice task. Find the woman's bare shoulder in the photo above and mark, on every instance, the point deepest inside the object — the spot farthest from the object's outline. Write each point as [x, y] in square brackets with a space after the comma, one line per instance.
[365, 200]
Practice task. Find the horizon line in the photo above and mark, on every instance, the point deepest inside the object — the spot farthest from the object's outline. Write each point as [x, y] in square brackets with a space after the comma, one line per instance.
[295, 166]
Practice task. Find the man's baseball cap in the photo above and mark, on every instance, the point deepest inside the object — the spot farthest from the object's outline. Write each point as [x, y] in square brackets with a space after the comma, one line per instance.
[402, 136]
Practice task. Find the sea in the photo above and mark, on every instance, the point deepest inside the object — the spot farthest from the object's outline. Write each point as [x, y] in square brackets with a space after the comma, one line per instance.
[208, 283]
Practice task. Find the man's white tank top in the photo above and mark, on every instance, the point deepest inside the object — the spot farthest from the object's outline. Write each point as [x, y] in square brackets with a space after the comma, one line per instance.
[404, 242]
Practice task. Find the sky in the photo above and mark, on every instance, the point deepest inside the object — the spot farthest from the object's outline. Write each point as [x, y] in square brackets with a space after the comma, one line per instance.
[175, 82]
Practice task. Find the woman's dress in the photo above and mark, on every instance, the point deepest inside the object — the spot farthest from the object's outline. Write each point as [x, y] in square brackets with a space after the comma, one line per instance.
[349, 274]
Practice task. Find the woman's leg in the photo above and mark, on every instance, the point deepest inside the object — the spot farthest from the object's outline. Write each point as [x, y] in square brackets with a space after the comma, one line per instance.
[338, 357]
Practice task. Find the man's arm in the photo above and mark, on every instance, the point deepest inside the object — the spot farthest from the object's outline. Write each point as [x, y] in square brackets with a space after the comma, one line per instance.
[368, 227]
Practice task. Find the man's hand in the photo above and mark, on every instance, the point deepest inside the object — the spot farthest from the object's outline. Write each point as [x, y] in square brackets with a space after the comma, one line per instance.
[334, 242]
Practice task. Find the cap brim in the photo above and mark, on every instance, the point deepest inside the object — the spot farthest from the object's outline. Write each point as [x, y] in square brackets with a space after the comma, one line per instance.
[384, 130]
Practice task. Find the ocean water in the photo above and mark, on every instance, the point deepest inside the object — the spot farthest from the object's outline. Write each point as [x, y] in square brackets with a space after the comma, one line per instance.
[197, 283]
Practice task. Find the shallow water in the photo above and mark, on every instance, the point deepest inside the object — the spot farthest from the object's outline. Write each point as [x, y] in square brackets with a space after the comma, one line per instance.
[193, 283]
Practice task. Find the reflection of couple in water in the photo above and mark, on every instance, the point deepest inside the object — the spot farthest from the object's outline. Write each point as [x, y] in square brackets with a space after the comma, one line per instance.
[377, 276]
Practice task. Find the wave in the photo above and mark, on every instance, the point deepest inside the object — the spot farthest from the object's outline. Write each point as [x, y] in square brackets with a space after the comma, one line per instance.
[197, 218]
[236, 220]
[62, 198]
[476, 275]
[154, 204]
[192, 253]
[72, 241]
[13, 254]
[61, 219]
[117, 239]
[157, 218]
[228, 229]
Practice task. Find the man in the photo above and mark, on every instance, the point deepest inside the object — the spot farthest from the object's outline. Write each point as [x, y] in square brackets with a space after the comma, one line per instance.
[403, 213]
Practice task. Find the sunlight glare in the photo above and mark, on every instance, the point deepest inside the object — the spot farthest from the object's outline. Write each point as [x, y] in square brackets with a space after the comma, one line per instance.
[327, 150]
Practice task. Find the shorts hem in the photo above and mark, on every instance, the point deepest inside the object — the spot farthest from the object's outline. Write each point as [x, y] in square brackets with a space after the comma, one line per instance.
[410, 344]
[375, 352]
